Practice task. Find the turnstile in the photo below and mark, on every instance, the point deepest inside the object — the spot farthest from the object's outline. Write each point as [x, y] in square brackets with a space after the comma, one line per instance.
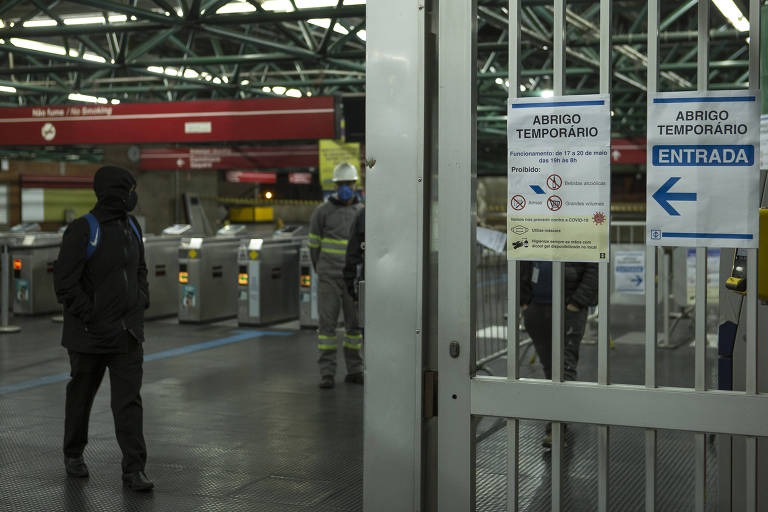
[267, 274]
[308, 315]
[161, 255]
[32, 258]
[207, 288]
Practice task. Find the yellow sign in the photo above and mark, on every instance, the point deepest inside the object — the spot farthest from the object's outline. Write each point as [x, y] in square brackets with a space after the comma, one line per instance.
[557, 237]
[333, 152]
[254, 255]
[192, 254]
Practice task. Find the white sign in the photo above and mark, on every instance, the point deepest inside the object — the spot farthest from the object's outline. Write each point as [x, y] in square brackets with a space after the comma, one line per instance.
[198, 127]
[629, 272]
[703, 175]
[559, 190]
[492, 239]
[764, 141]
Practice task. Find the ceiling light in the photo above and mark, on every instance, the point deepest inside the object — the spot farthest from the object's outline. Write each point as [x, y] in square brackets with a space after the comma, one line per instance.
[362, 35]
[235, 7]
[40, 23]
[94, 20]
[354, 2]
[191, 73]
[115, 101]
[325, 23]
[83, 97]
[522, 88]
[278, 90]
[266, 89]
[309, 93]
[5, 88]
[547, 93]
[499, 81]
[293, 93]
[245, 82]
[217, 80]
[35, 45]
[733, 14]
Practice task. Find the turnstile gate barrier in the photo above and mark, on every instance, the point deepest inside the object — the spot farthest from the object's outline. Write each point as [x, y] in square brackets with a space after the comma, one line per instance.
[32, 257]
[267, 274]
[207, 288]
[308, 315]
[161, 258]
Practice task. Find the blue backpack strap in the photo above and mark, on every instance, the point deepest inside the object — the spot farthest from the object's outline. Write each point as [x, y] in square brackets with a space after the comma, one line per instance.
[135, 229]
[95, 235]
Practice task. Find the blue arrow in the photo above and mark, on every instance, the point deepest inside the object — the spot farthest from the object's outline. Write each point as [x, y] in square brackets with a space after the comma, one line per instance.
[637, 280]
[663, 195]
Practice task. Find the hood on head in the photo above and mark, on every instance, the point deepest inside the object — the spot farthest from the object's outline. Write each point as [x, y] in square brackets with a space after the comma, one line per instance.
[111, 182]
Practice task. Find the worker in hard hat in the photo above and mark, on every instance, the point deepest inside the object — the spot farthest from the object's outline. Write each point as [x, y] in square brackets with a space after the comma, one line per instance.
[329, 232]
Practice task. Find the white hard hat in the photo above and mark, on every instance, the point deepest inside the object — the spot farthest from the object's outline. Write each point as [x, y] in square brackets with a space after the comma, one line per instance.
[344, 172]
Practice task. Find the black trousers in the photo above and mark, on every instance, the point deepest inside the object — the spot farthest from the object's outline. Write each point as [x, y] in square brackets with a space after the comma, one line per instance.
[538, 324]
[125, 373]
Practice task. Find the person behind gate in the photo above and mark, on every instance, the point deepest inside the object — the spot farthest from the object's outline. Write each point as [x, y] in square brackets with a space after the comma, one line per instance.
[100, 277]
[580, 292]
[329, 231]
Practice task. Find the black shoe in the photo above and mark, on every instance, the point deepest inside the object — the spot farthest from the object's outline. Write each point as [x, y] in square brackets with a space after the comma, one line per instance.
[137, 481]
[327, 382]
[354, 378]
[76, 467]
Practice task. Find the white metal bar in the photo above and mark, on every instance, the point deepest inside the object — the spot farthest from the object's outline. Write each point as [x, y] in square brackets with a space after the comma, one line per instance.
[751, 474]
[513, 286]
[603, 335]
[622, 405]
[456, 160]
[513, 464]
[751, 360]
[700, 492]
[557, 466]
[666, 273]
[558, 48]
[650, 316]
[702, 56]
[650, 470]
[558, 320]
[754, 44]
[653, 46]
[603, 476]
[700, 364]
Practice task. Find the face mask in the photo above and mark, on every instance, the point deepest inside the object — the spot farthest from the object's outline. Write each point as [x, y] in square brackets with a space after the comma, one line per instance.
[130, 203]
[345, 193]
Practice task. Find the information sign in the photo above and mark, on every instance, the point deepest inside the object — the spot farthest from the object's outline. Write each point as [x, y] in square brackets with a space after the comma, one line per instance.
[629, 272]
[703, 174]
[558, 201]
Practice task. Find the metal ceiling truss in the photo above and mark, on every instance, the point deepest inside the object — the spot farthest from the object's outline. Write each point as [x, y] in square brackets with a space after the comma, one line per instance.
[181, 49]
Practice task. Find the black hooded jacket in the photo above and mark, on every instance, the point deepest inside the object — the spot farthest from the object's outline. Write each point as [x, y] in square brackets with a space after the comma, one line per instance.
[104, 296]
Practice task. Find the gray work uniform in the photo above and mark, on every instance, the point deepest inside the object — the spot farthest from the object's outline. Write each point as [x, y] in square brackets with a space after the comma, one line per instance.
[329, 231]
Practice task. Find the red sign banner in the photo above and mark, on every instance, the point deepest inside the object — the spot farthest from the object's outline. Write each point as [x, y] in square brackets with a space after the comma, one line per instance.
[300, 178]
[251, 177]
[238, 157]
[188, 121]
[625, 151]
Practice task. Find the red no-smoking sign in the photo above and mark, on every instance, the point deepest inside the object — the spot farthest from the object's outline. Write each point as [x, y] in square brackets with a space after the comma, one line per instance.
[554, 203]
[554, 181]
[517, 202]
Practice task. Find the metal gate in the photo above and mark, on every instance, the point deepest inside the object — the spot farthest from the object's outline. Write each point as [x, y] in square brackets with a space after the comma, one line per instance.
[464, 395]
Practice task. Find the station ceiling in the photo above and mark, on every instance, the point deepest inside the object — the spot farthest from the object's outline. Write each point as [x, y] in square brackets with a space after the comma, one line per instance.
[59, 51]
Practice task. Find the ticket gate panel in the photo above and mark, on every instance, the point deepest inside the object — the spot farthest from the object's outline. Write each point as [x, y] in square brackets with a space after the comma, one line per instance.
[267, 273]
[308, 314]
[207, 288]
[32, 258]
[161, 258]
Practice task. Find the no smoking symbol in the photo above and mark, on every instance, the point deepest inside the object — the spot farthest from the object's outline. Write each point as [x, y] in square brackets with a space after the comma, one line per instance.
[554, 181]
[554, 203]
[517, 202]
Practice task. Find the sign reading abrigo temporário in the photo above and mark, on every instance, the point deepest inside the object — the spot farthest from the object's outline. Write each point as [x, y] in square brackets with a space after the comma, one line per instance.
[187, 121]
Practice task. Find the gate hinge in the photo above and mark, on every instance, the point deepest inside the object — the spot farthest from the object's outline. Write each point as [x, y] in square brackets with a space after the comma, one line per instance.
[429, 394]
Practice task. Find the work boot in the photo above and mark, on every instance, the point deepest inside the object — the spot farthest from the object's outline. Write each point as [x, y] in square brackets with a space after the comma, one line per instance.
[327, 382]
[137, 481]
[76, 467]
[354, 378]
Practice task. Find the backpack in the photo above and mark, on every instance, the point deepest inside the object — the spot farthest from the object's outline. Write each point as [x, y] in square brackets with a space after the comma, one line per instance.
[95, 236]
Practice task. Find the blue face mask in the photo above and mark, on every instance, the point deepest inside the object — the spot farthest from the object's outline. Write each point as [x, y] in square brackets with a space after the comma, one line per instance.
[345, 193]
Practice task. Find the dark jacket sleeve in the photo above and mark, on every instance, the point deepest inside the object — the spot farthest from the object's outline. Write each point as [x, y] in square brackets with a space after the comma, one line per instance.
[355, 252]
[142, 269]
[585, 294]
[68, 271]
[526, 288]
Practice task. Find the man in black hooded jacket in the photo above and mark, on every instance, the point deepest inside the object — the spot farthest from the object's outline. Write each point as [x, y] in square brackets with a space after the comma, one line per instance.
[104, 296]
